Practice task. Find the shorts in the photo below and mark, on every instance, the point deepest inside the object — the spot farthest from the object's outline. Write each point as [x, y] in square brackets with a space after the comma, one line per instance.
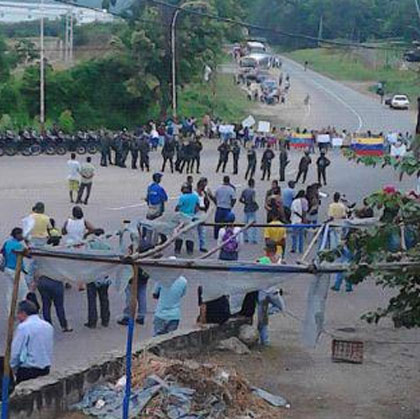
[73, 185]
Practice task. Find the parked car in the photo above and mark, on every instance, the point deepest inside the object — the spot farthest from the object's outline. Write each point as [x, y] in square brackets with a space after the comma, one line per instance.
[400, 102]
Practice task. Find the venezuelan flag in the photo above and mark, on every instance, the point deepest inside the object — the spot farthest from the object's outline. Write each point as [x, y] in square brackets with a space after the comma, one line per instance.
[300, 140]
[372, 146]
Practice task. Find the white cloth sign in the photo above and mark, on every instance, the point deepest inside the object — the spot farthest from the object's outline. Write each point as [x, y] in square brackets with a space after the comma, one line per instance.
[226, 129]
[264, 126]
[248, 122]
[323, 138]
[337, 142]
[398, 150]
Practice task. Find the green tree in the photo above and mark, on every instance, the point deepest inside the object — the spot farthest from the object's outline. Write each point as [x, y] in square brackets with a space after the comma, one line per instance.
[66, 122]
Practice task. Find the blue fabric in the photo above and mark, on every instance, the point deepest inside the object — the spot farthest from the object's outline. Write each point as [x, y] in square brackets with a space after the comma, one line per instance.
[251, 233]
[287, 196]
[187, 203]
[32, 345]
[297, 240]
[10, 246]
[169, 303]
[141, 301]
[156, 195]
[161, 327]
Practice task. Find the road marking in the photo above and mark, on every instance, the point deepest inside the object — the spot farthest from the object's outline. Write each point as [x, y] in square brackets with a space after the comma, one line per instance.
[171, 198]
[343, 102]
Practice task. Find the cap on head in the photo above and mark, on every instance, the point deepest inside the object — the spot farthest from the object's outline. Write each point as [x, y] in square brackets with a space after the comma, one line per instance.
[157, 176]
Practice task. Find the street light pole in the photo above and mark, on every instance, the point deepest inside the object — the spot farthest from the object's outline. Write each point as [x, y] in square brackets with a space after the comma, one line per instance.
[173, 50]
[42, 73]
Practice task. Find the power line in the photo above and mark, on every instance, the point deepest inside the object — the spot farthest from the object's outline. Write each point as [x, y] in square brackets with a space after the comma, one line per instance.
[276, 31]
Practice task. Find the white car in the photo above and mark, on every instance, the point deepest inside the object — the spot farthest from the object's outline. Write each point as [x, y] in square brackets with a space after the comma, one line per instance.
[400, 102]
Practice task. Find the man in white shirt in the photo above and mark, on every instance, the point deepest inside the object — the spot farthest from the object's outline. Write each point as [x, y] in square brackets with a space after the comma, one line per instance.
[32, 344]
[73, 177]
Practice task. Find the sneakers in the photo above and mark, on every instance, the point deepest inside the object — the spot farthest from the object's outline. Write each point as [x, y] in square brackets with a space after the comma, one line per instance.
[123, 321]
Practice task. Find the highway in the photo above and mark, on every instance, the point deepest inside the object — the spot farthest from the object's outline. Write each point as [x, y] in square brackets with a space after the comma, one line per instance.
[333, 103]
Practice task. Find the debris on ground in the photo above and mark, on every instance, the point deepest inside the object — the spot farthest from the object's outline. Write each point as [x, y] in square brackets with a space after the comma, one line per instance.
[233, 345]
[167, 388]
[249, 335]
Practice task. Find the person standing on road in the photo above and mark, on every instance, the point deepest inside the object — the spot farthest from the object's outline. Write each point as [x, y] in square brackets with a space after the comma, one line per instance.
[251, 156]
[223, 150]
[299, 210]
[52, 292]
[225, 197]
[231, 236]
[236, 151]
[105, 149]
[134, 151]
[248, 198]
[168, 153]
[203, 206]
[266, 160]
[304, 164]
[32, 345]
[156, 198]
[73, 176]
[87, 172]
[196, 149]
[99, 289]
[322, 163]
[15, 243]
[144, 149]
[168, 308]
[283, 160]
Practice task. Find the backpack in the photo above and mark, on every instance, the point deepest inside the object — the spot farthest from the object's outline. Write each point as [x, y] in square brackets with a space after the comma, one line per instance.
[232, 245]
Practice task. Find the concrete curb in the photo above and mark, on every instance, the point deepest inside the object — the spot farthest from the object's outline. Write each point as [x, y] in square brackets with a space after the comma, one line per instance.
[48, 397]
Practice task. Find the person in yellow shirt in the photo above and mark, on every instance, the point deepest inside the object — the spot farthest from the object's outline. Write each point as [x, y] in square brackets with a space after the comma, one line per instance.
[276, 234]
[41, 225]
[337, 210]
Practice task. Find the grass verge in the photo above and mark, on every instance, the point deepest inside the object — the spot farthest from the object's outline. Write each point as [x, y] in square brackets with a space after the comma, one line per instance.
[221, 98]
[343, 65]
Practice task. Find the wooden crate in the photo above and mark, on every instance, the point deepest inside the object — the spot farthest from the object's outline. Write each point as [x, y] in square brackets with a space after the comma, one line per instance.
[347, 351]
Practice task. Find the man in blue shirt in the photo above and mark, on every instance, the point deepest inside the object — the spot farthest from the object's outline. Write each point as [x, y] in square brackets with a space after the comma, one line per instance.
[12, 245]
[168, 309]
[188, 205]
[32, 345]
[288, 195]
[156, 198]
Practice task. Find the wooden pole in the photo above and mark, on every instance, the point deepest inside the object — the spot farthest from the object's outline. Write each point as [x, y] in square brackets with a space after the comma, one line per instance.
[10, 324]
[311, 244]
[213, 251]
[130, 334]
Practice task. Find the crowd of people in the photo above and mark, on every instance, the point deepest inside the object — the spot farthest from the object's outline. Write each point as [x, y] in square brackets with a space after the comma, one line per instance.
[289, 210]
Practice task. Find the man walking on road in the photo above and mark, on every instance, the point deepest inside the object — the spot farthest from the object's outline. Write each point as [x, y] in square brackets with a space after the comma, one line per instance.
[223, 150]
[87, 172]
[236, 151]
[304, 163]
[225, 196]
[267, 157]
[252, 163]
[322, 163]
[156, 198]
[73, 177]
[283, 157]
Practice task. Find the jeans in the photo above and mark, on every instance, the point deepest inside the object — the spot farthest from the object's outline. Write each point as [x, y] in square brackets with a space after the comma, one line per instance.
[340, 276]
[264, 300]
[297, 240]
[141, 301]
[101, 291]
[52, 292]
[201, 236]
[82, 187]
[23, 288]
[251, 233]
[161, 327]
[220, 217]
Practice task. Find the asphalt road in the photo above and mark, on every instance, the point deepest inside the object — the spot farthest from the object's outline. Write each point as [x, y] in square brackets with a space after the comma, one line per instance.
[119, 194]
[333, 103]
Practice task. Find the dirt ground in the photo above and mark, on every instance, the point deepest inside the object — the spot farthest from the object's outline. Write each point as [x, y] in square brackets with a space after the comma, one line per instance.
[385, 386]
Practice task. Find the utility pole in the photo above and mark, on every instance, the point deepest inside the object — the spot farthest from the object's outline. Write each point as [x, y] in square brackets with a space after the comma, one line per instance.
[320, 28]
[71, 38]
[66, 39]
[42, 73]
[416, 2]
